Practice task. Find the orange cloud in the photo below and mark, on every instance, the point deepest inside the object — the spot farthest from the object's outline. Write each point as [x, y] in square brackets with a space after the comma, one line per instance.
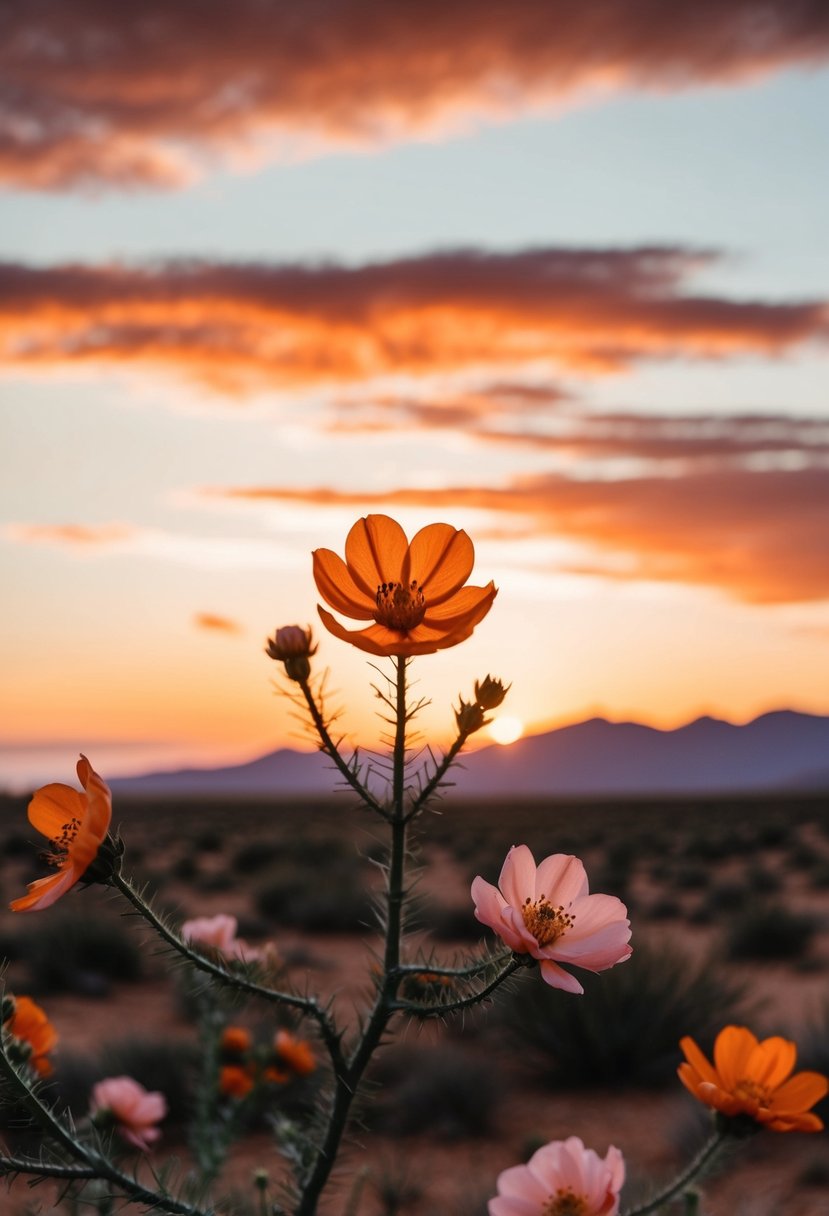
[147, 94]
[216, 624]
[757, 534]
[244, 326]
[79, 537]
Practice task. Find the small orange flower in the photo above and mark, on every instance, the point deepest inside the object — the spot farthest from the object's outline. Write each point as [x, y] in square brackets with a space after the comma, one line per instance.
[234, 1081]
[76, 824]
[30, 1025]
[294, 1054]
[414, 593]
[235, 1040]
[754, 1078]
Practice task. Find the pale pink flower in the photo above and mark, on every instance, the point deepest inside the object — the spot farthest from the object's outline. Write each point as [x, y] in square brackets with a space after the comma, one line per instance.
[134, 1109]
[562, 1179]
[546, 912]
[219, 932]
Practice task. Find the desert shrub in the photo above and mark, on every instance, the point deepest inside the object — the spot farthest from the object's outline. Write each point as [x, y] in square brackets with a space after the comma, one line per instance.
[339, 905]
[820, 876]
[726, 897]
[803, 857]
[255, 856]
[716, 845]
[691, 877]
[813, 1051]
[79, 953]
[773, 833]
[208, 841]
[666, 908]
[626, 1029]
[442, 1090]
[763, 881]
[185, 869]
[766, 932]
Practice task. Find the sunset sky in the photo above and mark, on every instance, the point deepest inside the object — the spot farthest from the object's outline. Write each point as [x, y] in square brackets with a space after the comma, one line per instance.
[554, 273]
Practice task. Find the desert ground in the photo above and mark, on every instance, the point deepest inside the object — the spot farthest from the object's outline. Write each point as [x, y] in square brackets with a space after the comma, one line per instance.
[729, 903]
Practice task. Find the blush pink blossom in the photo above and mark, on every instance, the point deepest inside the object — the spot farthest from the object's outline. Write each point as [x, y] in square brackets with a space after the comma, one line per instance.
[562, 1179]
[135, 1110]
[546, 911]
[219, 932]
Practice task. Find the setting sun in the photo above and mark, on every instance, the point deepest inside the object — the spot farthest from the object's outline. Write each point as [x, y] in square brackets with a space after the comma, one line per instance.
[506, 729]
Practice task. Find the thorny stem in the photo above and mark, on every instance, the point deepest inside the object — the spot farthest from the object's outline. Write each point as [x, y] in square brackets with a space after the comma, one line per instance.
[304, 1004]
[330, 749]
[438, 1010]
[348, 1079]
[703, 1158]
[94, 1164]
[426, 969]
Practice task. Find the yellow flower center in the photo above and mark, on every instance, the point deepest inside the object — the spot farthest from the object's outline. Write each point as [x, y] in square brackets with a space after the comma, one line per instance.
[565, 1203]
[546, 923]
[400, 607]
[752, 1092]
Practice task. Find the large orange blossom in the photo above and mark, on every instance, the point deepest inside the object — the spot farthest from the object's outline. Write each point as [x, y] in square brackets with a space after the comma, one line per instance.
[76, 824]
[753, 1078]
[414, 593]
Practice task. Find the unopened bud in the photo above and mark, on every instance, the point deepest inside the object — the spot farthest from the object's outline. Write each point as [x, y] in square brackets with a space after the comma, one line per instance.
[291, 645]
[8, 1005]
[469, 717]
[490, 692]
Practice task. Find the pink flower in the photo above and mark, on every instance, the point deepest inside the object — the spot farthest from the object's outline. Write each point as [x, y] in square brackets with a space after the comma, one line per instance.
[562, 1179]
[220, 933]
[547, 912]
[134, 1110]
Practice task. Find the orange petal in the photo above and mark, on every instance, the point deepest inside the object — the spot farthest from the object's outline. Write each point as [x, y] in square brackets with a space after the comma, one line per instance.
[45, 891]
[468, 604]
[803, 1090]
[805, 1122]
[337, 587]
[440, 557]
[732, 1051]
[772, 1061]
[375, 550]
[698, 1061]
[376, 639]
[54, 805]
[98, 815]
[689, 1078]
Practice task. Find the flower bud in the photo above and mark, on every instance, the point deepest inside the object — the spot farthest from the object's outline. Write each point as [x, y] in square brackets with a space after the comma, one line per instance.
[469, 717]
[8, 1006]
[490, 692]
[291, 645]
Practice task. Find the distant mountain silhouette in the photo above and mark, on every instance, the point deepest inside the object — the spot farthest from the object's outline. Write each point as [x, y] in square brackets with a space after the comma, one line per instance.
[777, 751]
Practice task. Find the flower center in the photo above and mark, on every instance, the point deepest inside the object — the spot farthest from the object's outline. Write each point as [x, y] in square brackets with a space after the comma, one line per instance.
[398, 606]
[547, 924]
[61, 844]
[753, 1092]
[565, 1203]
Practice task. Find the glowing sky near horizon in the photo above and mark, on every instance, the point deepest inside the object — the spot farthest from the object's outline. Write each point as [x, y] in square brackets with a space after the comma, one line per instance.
[567, 292]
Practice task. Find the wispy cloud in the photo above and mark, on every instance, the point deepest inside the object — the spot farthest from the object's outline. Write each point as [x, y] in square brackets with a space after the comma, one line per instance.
[212, 623]
[246, 326]
[99, 93]
[757, 534]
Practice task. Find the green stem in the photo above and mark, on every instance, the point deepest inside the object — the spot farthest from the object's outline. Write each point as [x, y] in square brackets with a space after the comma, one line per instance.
[703, 1158]
[348, 1078]
[329, 747]
[304, 1004]
[438, 1010]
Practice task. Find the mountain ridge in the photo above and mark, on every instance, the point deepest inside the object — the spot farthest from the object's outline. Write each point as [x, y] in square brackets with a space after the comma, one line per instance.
[776, 751]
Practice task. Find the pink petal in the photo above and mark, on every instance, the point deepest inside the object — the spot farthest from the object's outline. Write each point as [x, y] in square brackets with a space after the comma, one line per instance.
[561, 878]
[520, 1182]
[595, 912]
[517, 881]
[557, 977]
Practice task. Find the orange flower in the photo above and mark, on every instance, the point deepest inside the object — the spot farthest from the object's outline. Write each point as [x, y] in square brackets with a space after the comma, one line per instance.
[754, 1079]
[295, 1054]
[414, 593]
[235, 1040]
[76, 824]
[235, 1082]
[30, 1025]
